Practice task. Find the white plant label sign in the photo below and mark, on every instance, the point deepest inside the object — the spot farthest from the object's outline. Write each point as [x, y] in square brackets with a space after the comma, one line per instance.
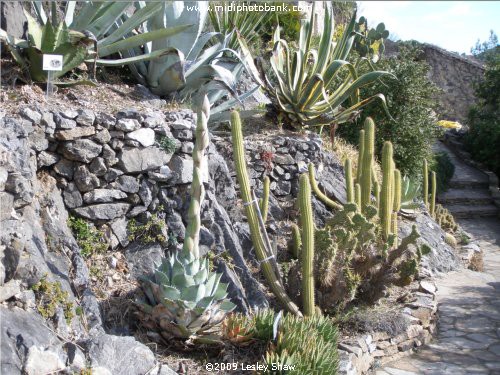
[52, 62]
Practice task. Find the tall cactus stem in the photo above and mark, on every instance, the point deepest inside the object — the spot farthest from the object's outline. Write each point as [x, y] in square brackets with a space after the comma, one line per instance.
[376, 193]
[191, 241]
[261, 252]
[307, 254]
[296, 241]
[426, 184]
[433, 193]
[357, 196]
[361, 148]
[395, 227]
[397, 191]
[366, 173]
[349, 183]
[386, 195]
[321, 196]
[264, 201]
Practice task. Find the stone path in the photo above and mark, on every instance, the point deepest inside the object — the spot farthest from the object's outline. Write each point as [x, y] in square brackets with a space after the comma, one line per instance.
[468, 194]
[468, 339]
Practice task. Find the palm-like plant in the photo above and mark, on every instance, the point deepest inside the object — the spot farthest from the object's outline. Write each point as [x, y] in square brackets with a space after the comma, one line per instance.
[310, 87]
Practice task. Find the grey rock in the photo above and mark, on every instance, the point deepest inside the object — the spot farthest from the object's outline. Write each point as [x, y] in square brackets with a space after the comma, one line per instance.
[6, 205]
[102, 137]
[105, 211]
[118, 134]
[187, 147]
[69, 114]
[119, 228]
[145, 192]
[38, 140]
[105, 120]
[175, 225]
[4, 175]
[182, 124]
[163, 176]
[98, 167]
[84, 180]
[22, 189]
[83, 150]
[12, 19]
[127, 124]
[72, 197]
[112, 174]
[46, 158]
[48, 121]
[283, 159]
[145, 136]
[109, 155]
[153, 120]
[9, 289]
[65, 168]
[120, 355]
[136, 211]
[143, 258]
[132, 143]
[116, 144]
[183, 135]
[283, 188]
[32, 115]
[85, 117]
[182, 169]
[63, 122]
[127, 184]
[75, 133]
[103, 196]
[133, 160]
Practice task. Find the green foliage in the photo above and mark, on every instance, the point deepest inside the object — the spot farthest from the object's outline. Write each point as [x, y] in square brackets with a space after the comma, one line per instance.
[487, 48]
[370, 42]
[150, 232]
[324, 93]
[483, 138]
[168, 144]
[50, 296]
[410, 99]
[288, 22]
[411, 192]
[308, 345]
[444, 168]
[89, 238]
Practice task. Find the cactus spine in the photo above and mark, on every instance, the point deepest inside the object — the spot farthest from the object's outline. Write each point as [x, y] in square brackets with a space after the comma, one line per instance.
[360, 154]
[307, 254]
[366, 168]
[263, 254]
[386, 195]
[349, 183]
[264, 201]
[433, 192]
[322, 197]
[426, 184]
[191, 241]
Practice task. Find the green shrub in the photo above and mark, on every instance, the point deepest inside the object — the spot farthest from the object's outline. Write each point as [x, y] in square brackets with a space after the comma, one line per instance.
[444, 168]
[151, 231]
[483, 138]
[50, 297]
[410, 101]
[89, 238]
[168, 144]
[288, 21]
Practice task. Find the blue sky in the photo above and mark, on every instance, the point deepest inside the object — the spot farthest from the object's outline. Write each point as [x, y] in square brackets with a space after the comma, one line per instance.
[454, 25]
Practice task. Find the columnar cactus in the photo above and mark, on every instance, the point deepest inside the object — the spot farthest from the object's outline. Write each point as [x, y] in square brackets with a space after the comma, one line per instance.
[264, 201]
[191, 241]
[349, 183]
[367, 166]
[321, 196]
[376, 193]
[357, 195]
[433, 193]
[386, 195]
[426, 184]
[361, 148]
[397, 203]
[307, 254]
[296, 244]
[263, 254]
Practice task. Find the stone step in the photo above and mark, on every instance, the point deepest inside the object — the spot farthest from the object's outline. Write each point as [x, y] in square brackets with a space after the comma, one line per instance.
[467, 211]
[466, 197]
[468, 184]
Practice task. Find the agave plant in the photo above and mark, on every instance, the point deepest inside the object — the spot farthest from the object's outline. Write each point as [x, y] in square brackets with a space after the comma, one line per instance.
[247, 24]
[410, 193]
[185, 300]
[95, 31]
[305, 88]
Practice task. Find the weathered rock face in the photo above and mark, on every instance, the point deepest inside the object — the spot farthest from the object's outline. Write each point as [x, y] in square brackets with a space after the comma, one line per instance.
[111, 168]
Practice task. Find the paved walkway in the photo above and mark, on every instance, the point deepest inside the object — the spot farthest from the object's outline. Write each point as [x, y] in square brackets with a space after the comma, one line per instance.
[468, 339]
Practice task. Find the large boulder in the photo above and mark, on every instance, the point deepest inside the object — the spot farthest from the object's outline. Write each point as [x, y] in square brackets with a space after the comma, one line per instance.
[105, 211]
[134, 160]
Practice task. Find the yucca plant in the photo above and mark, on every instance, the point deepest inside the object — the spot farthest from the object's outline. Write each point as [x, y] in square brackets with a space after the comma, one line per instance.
[96, 31]
[304, 86]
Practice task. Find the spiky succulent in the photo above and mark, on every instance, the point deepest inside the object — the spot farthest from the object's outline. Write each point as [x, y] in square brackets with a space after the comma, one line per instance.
[185, 300]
